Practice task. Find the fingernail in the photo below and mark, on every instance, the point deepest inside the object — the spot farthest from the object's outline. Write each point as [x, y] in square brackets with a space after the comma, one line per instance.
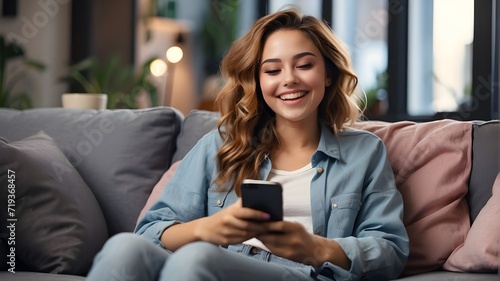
[266, 216]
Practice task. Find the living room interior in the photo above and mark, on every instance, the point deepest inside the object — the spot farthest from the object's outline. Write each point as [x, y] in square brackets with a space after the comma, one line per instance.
[428, 76]
[415, 60]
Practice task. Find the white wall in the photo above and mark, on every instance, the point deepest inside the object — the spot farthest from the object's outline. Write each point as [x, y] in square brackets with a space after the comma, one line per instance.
[42, 28]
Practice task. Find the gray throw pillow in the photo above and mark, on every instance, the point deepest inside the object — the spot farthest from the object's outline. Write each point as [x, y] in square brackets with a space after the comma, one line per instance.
[54, 221]
[120, 154]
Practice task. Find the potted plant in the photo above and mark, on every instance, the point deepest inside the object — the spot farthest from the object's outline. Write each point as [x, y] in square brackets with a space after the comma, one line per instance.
[121, 84]
[8, 52]
[375, 102]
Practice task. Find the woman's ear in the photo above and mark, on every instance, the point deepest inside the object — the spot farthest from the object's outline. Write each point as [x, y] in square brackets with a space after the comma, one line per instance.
[328, 81]
[332, 73]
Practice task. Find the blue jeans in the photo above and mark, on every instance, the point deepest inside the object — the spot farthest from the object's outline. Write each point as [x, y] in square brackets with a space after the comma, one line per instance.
[129, 257]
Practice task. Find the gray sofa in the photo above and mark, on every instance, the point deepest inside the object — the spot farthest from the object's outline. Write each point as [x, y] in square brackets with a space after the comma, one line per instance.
[77, 177]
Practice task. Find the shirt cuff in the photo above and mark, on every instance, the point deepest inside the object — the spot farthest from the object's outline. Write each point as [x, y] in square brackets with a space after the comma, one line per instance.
[155, 231]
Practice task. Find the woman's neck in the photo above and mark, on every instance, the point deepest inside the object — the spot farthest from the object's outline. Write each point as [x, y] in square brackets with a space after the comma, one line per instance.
[298, 144]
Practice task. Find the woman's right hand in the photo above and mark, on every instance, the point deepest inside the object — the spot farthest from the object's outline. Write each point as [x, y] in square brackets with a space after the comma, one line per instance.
[232, 225]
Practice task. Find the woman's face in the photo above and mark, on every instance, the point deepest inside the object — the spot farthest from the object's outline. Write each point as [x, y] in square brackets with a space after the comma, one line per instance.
[292, 76]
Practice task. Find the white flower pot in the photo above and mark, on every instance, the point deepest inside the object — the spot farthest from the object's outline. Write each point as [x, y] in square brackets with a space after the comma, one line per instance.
[84, 100]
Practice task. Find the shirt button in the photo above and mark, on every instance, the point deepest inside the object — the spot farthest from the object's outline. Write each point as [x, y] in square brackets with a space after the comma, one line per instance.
[320, 170]
[335, 205]
[219, 202]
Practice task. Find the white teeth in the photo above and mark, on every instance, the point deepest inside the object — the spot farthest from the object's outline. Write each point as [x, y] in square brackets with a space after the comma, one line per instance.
[292, 96]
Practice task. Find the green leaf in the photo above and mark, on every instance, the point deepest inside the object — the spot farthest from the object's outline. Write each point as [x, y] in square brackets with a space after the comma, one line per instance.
[21, 101]
[35, 64]
[12, 50]
[84, 82]
[9, 51]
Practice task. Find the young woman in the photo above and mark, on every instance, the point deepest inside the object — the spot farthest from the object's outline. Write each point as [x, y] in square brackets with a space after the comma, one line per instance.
[285, 115]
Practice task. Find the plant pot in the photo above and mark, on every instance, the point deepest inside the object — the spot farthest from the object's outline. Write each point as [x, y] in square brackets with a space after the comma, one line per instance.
[84, 101]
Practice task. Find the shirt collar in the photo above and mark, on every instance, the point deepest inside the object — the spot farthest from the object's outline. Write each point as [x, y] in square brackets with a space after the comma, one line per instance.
[329, 143]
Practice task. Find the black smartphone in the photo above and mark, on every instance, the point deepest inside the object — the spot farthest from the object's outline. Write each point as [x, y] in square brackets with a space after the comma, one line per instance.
[266, 196]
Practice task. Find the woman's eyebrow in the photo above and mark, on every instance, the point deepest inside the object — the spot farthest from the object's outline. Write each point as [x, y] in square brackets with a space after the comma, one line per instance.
[297, 56]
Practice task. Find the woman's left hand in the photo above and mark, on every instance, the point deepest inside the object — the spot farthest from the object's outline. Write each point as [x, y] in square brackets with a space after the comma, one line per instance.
[290, 240]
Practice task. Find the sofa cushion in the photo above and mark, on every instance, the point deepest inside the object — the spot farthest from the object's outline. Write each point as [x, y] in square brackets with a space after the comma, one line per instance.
[196, 124]
[431, 163]
[485, 164]
[120, 154]
[54, 221]
[481, 250]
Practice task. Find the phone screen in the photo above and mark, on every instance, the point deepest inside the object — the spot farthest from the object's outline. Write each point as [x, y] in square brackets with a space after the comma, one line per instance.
[266, 196]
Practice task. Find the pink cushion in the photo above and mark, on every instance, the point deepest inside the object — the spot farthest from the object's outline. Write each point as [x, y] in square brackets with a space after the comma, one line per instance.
[431, 163]
[481, 250]
[157, 190]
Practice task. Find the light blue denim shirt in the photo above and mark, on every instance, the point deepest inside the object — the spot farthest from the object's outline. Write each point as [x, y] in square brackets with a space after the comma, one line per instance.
[353, 198]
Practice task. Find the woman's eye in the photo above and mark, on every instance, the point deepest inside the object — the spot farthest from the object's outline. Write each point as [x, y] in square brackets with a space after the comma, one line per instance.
[305, 66]
[272, 71]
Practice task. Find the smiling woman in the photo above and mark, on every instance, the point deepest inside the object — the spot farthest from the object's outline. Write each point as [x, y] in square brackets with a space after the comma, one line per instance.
[286, 111]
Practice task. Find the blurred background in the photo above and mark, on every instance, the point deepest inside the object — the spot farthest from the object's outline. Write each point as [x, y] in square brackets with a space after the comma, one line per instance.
[416, 59]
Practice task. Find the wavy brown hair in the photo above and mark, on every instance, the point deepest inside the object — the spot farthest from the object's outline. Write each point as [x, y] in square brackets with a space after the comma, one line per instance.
[247, 124]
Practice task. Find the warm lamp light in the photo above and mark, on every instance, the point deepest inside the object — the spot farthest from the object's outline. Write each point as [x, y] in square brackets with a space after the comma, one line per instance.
[174, 54]
[158, 67]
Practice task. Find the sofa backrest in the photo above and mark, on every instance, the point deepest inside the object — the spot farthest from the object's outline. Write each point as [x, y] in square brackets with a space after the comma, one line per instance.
[196, 124]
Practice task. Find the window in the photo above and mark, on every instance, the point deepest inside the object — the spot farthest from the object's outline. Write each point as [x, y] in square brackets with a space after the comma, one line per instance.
[310, 7]
[439, 55]
[362, 25]
[442, 66]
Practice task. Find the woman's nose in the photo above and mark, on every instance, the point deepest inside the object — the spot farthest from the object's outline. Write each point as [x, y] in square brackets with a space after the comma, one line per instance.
[290, 78]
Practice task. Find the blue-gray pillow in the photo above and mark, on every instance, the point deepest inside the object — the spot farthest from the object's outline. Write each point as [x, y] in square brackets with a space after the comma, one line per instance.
[54, 221]
[120, 154]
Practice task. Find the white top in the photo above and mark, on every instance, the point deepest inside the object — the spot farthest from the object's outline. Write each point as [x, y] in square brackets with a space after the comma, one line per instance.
[296, 197]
